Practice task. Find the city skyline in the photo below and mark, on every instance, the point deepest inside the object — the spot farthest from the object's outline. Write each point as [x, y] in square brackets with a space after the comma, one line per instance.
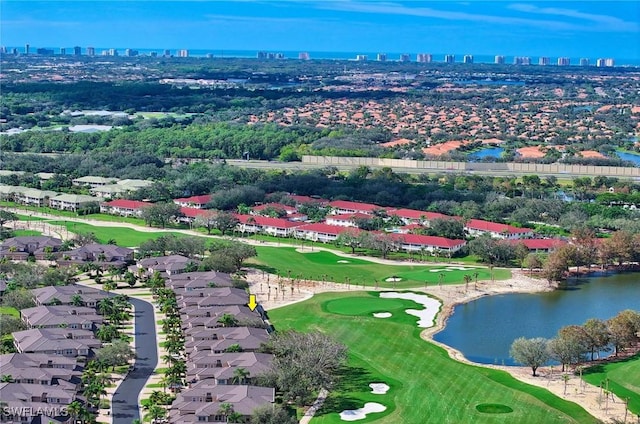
[534, 28]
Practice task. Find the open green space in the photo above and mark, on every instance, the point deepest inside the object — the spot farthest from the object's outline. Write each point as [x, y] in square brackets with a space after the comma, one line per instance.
[9, 310]
[623, 379]
[123, 236]
[24, 233]
[426, 386]
[319, 265]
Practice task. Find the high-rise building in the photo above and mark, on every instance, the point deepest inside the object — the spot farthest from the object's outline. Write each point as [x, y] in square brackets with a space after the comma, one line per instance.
[584, 61]
[26, 49]
[564, 61]
[77, 51]
[449, 58]
[303, 56]
[544, 61]
[44, 52]
[405, 57]
[166, 53]
[153, 54]
[113, 52]
[608, 62]
[467, 58]
[425, 58]
[498, 60]
[361, 57]
[63, 51]
[522, 60]
[3, 50]
[91, 51]
[381, 57]
[261, 55]
[130, 52]
[183, 53]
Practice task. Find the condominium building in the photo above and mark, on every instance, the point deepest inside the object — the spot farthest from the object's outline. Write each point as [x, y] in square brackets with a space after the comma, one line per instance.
[303, 56]
[449, 58]
[382, 57]
[468, 58]
[498, 60]
[425, 58]
[601, 63]
[564, 61]
[361, 57]
[63, 51]
[544, 61]
[522, 60]
[405, 57]
[584, 61]
[91, 51]
[183, 53]
[77, 51]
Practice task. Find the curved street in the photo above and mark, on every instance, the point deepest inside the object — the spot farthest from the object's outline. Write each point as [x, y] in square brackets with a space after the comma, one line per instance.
[125, 399]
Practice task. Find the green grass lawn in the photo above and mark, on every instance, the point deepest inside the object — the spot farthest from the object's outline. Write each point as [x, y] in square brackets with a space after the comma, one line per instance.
[426, 386]
[624, 379]
[24, 233]
[126, 237]
[9, 310]
[361, 271]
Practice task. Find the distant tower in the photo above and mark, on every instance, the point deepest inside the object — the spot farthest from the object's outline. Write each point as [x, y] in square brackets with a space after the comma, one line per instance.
[91, 51]
[361, 57]
[382, 57]
[584, 61]
[167, 53]
[564, 61]
[77, 51]
[63, 51]
[544, 61]
[405, 57]
[468, 58]
[522, 60]
[425, 58]
[183, 53]
[26, 48]
[498, 60]
[449, 58]
[609, 62]
[303, 56]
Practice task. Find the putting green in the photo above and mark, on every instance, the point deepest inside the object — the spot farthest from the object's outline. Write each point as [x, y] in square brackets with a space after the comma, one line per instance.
[366, 306]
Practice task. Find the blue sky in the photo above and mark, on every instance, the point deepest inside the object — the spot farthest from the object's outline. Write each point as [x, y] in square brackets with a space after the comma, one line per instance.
[533, 28]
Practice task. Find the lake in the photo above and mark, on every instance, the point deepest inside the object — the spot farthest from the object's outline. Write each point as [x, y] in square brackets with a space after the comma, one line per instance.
[495, 152]
[484, 329]
[631, 157]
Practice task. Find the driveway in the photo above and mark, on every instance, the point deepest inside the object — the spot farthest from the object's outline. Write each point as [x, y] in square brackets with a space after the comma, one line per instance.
[125, 398]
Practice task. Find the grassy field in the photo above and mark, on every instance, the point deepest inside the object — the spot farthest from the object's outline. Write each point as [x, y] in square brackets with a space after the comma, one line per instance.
[426, 386]
[123, 236]
[9, 310]
[23, 233]
[335, 268]
[624, 379]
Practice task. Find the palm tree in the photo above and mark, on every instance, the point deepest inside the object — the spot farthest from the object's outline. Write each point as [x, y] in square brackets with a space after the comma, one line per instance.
[228, 320]
[75, 409]
[467, 279]
[6, 378]
[76, 300]
[225, 409]
[240, 375]
[155, 412]
[106, 333]
[441, 279]
[475, 276]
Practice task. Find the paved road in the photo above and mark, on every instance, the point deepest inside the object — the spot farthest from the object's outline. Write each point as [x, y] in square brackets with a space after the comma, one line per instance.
[125, 398]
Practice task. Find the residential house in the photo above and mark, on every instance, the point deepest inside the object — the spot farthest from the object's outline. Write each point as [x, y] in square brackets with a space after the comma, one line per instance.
[478, 227]
[346, 220]
[56, 341]
[198, 280]
[194, 202]
[71, 202]
[431, 244]
[218, 340]
[281, 210]
[61, 316]
[340, 207]
[34, 197]
[220, 367]
[105, 255]
[65, 295]
[124, 207]
[11, 193]
[166, 265]
[202, 401]
[24, 402]
[194, 317]
[540, 245]
[189, 215]
[93, 182]
[277, 227]
[203, 298]
[306, 200]
[120, 188]
[37, 368]
[20, 248]
[321, 232]
[412, 216]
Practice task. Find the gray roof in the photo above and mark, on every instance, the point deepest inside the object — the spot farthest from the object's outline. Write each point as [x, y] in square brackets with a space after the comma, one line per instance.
[48, 340]
[52, 316]
[220, 339]
[65, 294]
[75, 198]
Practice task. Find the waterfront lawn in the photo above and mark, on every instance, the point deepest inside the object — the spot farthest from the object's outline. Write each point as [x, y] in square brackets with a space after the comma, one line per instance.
[126, 237]
[426, 386]
[318, 264]
[624, 379]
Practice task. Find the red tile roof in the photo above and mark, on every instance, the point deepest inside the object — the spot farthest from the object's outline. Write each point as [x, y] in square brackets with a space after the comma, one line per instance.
[306, 199]
[348, 216]
[540, 244]
[354, 206]
[193, 212]
[265, 221]
[480, 225]
[196, 200]
[421, 240]
[276, 206]
[127, 204]
[415, 214]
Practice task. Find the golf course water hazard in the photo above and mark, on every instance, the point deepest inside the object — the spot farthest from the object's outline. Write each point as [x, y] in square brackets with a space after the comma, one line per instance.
[484, 329]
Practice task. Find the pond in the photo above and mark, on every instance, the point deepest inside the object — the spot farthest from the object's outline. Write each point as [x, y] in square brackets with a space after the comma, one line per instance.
[495, 152]
[631, 157]
[484, 329]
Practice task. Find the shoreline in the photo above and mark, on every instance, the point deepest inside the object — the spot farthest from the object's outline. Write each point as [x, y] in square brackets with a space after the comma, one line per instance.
[450, 296]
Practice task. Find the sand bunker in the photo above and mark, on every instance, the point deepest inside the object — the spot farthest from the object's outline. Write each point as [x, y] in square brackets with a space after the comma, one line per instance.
[426, 316]
[452, 268]
[379, 388]
[393, 279]
[381, 314]
[361, 414]
[342, 261]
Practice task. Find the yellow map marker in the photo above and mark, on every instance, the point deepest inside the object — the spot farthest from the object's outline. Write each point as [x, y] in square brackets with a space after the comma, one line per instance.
[252, 302]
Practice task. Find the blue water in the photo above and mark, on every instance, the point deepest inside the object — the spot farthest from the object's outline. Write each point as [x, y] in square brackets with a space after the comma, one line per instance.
[635, 158]
[494, 152]
[485, 328]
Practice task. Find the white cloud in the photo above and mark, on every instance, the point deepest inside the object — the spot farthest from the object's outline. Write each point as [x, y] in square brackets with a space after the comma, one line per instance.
[610, 21]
